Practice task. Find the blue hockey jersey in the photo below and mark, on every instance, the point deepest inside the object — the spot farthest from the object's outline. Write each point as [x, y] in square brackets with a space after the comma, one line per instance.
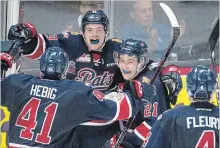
[94, 68]
[43, 112]
[196, 125]
[151, 108]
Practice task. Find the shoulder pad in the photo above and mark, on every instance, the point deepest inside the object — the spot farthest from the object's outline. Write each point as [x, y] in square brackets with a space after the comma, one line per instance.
[164, 114]
[75, 33]
[152, 65]
[117, 40]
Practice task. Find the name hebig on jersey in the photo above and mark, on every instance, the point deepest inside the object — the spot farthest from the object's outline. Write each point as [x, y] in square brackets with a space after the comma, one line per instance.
[43, 91]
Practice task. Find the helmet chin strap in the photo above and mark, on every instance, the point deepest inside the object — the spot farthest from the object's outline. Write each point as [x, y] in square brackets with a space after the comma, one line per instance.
[100, 49]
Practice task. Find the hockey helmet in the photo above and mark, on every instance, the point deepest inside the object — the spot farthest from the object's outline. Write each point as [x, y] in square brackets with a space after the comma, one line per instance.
[54, 63]
[201, 83]
[95, 17]
[133, 47]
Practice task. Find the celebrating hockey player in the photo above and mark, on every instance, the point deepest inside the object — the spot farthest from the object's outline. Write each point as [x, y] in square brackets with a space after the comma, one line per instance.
[131, 57]
[90, 53]
[44, 111]
[196, 125]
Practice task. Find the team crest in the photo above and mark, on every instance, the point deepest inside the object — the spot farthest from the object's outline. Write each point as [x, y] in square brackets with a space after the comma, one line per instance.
[97, 59]
[145, 80]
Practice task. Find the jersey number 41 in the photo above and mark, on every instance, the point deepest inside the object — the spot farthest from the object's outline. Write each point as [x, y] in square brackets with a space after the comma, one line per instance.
[27, 120]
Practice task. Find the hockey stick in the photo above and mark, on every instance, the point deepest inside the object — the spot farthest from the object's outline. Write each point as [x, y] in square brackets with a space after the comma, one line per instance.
[17, 43]
[213, 38]
[21, 13]
[176, 33]
[16, 49]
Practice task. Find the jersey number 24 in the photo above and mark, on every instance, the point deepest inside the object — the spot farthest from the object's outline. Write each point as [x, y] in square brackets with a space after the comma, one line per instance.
[27, 120]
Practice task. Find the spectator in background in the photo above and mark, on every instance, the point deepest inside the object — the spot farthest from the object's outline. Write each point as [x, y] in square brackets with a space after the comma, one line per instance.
[143, 27]
[84, 7]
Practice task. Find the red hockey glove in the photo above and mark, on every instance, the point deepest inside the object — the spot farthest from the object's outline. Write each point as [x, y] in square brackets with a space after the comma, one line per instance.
[172, 78]
[22, 31]
[6, 60]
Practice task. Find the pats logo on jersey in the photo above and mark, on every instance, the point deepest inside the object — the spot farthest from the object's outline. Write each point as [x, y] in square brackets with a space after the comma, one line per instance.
[85, 58]
[89, 76]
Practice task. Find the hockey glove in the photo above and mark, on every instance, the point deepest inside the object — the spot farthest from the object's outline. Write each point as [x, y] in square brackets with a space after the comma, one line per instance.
[6, 60]
[172, 78]
[135, 88]
[23, 32]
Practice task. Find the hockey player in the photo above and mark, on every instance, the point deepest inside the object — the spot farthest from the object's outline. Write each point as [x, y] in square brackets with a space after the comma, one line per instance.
[131, 58]
[90, 52]
[196, 125]
[44, 111]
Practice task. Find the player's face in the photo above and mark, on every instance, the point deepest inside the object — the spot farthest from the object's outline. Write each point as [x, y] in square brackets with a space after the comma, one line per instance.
[128, 66]
[144, 12]
[95, 36]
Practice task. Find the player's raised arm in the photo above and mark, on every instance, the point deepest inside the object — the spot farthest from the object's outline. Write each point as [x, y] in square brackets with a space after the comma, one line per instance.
[115, 106]
[33, 44]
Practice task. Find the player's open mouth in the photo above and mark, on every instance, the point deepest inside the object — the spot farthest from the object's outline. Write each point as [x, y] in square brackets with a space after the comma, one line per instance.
[94, 41]
[126, 71]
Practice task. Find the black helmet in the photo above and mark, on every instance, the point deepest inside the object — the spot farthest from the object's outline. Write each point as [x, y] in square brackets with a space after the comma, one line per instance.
[54, 63]
[95, 17]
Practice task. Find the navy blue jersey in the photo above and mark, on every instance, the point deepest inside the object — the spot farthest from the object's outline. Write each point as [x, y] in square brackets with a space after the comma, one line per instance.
[151, 108]
[44, 112]
[94, 68]
[191, 126]
[146, 75]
